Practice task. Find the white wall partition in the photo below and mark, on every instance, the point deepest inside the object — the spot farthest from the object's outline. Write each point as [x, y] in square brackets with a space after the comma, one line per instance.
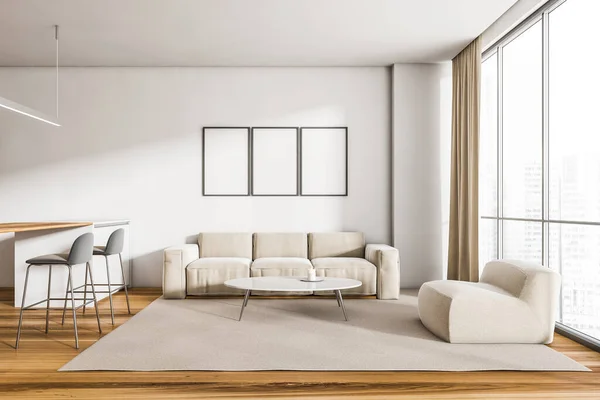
[421, 169]
[130, 146]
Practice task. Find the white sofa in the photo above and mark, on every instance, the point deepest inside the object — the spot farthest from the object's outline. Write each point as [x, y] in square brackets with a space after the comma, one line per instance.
[514, 302]
[201, 269]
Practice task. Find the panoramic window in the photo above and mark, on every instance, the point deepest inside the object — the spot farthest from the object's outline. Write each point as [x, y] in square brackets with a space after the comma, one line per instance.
[540, 153]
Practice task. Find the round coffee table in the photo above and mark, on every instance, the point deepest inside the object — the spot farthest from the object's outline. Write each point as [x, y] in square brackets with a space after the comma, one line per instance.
[292, 283]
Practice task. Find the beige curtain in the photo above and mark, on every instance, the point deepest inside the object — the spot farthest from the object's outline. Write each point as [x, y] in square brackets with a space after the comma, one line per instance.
[463, 252]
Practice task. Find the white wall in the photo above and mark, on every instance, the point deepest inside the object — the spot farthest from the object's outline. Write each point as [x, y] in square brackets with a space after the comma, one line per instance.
[422, 96]
[130, 147]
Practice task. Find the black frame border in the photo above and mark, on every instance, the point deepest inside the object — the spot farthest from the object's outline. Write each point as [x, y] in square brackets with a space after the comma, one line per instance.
[298, 156]
[345, 128]
[248, 129]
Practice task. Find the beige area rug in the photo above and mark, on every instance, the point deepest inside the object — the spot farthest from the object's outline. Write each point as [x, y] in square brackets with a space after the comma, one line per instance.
[298, 334]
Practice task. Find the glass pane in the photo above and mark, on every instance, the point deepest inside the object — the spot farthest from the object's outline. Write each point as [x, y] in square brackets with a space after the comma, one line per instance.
[522, 125]
[488, 241]
[488, 145]
[574, 252]
[574, 142]
[522, 241]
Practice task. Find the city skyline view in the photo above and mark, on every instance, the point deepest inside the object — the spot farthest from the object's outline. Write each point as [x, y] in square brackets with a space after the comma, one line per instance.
[548, 197]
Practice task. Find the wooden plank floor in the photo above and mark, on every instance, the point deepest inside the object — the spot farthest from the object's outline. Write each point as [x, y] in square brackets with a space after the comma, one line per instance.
[31, 372]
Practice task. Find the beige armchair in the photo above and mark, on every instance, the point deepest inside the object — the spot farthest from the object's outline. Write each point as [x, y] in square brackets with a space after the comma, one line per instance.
[515, 302]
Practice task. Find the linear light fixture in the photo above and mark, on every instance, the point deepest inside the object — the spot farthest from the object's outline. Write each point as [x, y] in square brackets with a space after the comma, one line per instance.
[21, 109]
[24, 110]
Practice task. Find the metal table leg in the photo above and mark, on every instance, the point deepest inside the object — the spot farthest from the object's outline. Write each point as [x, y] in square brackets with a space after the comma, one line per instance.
[338, 295]
[244, 304]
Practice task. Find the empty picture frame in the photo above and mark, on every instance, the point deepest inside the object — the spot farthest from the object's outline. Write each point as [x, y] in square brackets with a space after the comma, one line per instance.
[225, 161]
[324, 161]
[275, 161]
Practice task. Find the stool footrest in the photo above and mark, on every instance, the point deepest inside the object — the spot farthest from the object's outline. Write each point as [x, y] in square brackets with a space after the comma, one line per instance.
[99, 291]
[120, 285]
[60, 299]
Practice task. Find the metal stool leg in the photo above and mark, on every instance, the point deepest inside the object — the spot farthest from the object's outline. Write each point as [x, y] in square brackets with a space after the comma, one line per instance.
[85, 293]
[112, 312]
[73, 308]
[48, 297]
[124, 284]
[66, 297]
[22, 307]
[89, 269]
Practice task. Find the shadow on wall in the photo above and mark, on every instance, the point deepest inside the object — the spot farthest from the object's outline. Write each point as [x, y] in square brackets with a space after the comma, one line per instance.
[122, 108]
[143, 266]
[191, 239]
[7, 257]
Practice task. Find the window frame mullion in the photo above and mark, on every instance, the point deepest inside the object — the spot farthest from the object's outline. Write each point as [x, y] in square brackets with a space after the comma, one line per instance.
[545, 141]
[499, 154]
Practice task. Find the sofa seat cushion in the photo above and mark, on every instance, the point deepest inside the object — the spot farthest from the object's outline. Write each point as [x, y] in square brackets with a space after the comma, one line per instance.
[348, 267]
[280, 266]
[206, 276]
[466, 312]
[461, 290]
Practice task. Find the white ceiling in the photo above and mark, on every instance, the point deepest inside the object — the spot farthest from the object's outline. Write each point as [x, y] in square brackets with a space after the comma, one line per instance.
[241, 32]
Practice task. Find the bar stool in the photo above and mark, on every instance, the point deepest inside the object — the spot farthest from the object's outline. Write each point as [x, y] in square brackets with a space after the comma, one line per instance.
[114, 246]
[80, 253]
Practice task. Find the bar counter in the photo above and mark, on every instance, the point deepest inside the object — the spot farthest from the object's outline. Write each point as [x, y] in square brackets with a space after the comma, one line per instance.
[32, 239]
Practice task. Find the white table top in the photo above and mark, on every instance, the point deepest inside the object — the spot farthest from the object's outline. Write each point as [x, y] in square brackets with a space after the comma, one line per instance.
[291, 283]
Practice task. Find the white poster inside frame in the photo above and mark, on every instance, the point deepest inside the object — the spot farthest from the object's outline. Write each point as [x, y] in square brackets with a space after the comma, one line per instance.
[324, 161]
[226, 161]
[275, 161]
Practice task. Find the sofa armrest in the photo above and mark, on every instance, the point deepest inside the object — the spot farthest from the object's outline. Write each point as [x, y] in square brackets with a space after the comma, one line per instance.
[387, 260]
[175, 260]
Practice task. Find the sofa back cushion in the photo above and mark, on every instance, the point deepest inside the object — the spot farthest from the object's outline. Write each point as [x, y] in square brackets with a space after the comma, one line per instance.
[336, 244]
[225, 245]
[280, 245]
[505, 275]
[534, 284]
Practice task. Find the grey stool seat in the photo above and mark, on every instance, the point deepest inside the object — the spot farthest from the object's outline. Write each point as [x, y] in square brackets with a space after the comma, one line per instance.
[48, 259]
[81, 253]
[114, 246]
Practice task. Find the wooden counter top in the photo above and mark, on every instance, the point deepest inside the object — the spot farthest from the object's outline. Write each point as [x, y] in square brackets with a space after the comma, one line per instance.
[39, 226]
